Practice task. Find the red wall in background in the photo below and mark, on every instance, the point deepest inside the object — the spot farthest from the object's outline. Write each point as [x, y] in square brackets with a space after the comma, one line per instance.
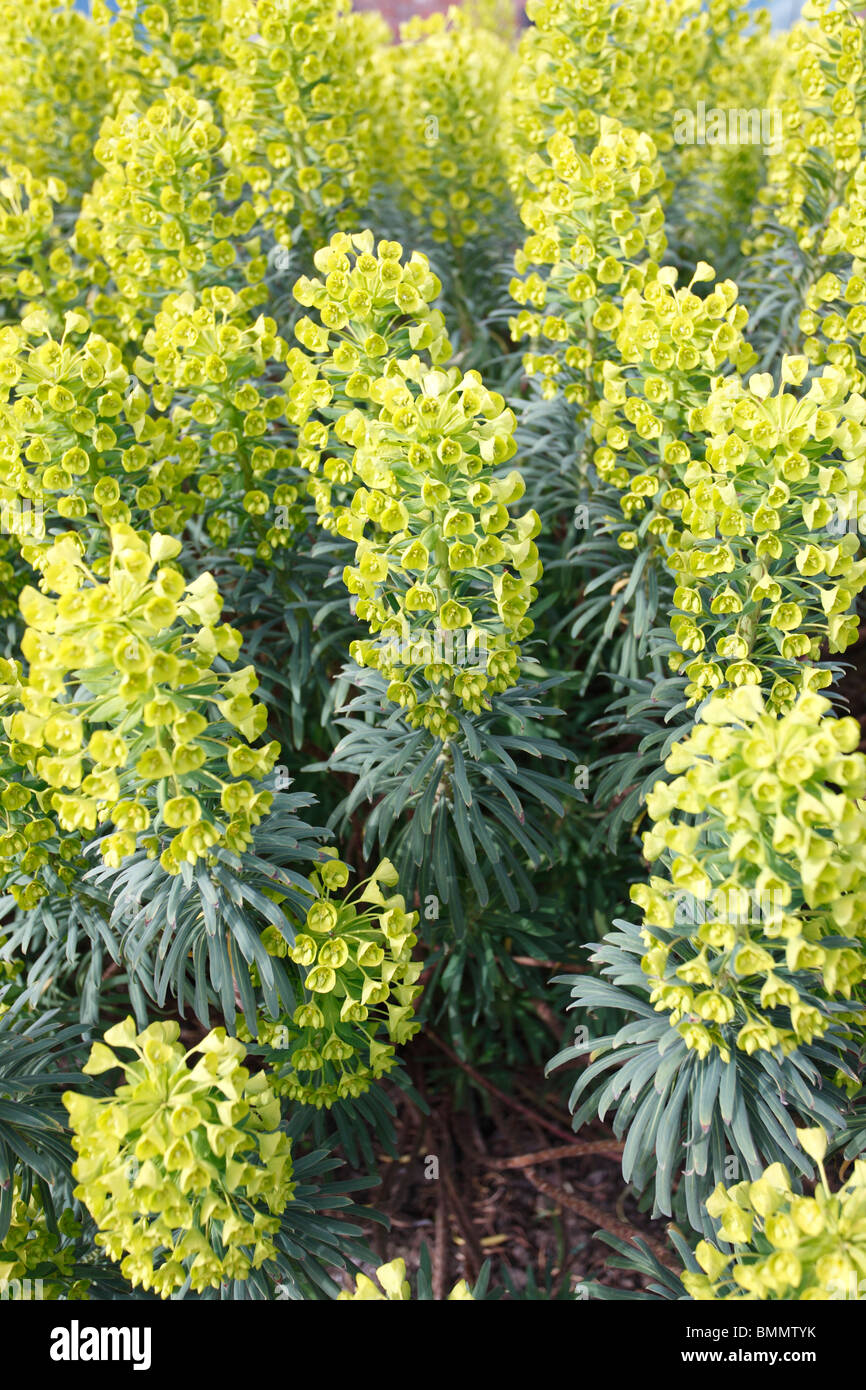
[396, 12]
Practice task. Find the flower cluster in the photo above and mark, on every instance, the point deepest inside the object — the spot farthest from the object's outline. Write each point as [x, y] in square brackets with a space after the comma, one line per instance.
[76, 420]
[146, 47]
[71, 420]
[31, 1251]
[833, 318]
[819, 93]
[298, 102]
[109, 716]
[786, 1246]
[32, 267]
[414, 447]
[443, 88]
[748, 494]
[206, 360]
[719, 165]
[669, 345]
[36, 855]
[811, 210]
[358, 981]
[596, 222]
[626, 344]
[764, 554]
[152, 224]
[636, 353]
[712, 475]
[639, 61]
[53, 90]
[762, 833]
[395, 1286]
[177, 1165]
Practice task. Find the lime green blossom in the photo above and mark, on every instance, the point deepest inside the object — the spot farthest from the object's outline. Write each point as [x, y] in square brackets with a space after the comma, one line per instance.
[184, 1168]
[30, 1251]
[358, 976]
[786, 1246]
[761, 834]
[395, 1286]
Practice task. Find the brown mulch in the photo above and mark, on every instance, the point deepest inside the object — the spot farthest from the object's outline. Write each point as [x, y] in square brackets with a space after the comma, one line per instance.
[503, 1177]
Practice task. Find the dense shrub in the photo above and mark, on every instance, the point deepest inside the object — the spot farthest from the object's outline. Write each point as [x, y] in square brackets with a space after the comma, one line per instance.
[386, 423]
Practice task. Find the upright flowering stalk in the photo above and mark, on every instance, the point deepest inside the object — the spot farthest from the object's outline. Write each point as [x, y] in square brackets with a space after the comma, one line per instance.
[406, 457]
[299, 103]
[631, 350]
[620, 339]
[809, 224]
[785, 1245]
[354, 957]
[765, 563]
[443, 88]
[670, 347]
[152, 224]
[212, 366]
[820, 89]
[184, 1168]
[716, 183]
[752, 489]
[672, 434]
[633, 61]
[108, 717]
[414, 448]
[53, 91]
[761, 832]
[595, 220]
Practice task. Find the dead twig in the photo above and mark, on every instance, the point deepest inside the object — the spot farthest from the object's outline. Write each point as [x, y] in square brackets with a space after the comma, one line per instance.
[601, 1148]
[440, 1249]
[605, 1219]
[474, 1253]
[550, 964]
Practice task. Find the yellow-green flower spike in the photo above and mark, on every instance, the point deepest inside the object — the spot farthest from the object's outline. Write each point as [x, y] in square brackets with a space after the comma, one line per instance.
[358, 989]
[184, 1168]
[762, 833]
[102, 719]
[409, 470]
[785, 1246]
